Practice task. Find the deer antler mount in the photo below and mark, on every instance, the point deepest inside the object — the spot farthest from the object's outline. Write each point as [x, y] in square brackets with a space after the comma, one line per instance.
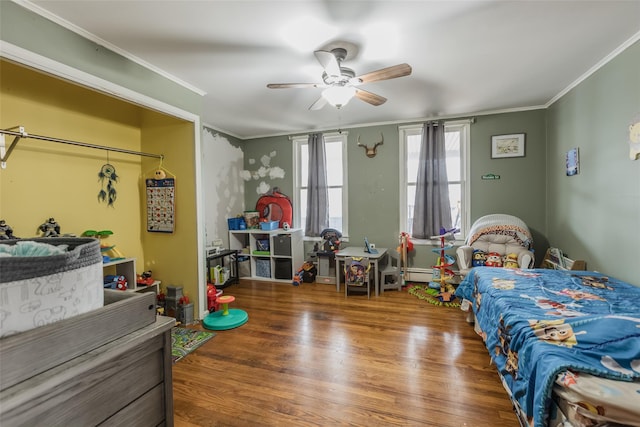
[372, 151]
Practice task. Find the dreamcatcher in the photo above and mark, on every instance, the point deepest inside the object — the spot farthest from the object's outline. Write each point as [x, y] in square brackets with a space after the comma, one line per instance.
[107, 175]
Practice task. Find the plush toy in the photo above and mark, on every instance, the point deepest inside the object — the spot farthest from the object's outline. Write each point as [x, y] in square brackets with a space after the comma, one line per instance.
[493, 260]
[510, 261]
[479, 258]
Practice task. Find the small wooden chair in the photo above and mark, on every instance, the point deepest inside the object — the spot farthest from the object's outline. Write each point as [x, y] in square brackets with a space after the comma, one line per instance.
[390, 269]
[356, 275]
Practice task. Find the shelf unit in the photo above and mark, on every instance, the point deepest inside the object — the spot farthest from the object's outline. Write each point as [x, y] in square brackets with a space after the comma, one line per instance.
[280, 262]
[218, 258]
[549, 261]
[127, 267]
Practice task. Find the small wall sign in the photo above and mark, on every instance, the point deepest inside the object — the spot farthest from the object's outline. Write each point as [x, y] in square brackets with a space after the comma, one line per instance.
[490, 176]
[573, 162]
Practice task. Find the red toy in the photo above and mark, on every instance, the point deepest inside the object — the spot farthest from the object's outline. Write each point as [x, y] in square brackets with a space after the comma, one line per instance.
[115, 282]
[212, 298]
[275, 206]
[145, 278]
[493, 260]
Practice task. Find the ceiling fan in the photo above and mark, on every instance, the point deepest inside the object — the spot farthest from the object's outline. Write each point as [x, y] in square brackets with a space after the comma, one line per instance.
[340, 83]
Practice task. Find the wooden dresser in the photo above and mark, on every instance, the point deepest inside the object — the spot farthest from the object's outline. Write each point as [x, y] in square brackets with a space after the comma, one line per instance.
[111, 366]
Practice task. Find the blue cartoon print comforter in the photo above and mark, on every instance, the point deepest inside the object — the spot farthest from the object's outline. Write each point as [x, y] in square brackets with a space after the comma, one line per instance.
[538, 323]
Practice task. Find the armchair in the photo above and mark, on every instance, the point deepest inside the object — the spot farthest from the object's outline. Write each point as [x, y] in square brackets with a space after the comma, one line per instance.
[504, 234]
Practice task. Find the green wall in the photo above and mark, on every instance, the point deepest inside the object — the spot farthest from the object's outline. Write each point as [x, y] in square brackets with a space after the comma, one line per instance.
[373, 183]
[520, 191]
[595, 215]
[37, 34]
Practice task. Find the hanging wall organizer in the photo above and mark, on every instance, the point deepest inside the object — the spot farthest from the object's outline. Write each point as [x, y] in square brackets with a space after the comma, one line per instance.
[161, 200]
[21, 134]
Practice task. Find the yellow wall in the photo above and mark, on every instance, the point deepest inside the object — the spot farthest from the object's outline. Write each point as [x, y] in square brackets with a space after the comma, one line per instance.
[45, 179]
[173, 257]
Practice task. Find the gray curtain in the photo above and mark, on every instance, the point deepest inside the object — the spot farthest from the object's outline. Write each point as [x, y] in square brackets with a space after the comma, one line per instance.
[317, 189]
[432, 210]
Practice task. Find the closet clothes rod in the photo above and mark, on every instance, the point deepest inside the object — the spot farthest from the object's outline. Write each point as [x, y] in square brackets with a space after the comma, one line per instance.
[20, 133]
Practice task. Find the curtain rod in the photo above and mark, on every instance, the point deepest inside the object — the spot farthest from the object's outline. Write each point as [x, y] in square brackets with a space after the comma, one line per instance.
[20, 133]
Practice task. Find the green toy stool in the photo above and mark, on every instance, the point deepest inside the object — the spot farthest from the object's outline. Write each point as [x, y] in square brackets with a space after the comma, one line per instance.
[227, 318]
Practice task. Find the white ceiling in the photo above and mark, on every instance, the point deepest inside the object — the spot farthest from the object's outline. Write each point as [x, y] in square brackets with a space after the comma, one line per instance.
[468, 57]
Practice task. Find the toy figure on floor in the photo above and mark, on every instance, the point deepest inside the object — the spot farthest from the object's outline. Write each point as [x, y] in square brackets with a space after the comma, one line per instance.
[306, 273]
[50, 228]
[6, 232]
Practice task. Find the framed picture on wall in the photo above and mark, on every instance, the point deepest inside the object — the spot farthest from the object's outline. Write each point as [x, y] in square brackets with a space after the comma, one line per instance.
[507, 146]
[573, 162]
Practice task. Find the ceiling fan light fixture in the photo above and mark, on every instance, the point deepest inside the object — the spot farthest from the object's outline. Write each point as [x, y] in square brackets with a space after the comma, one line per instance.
[339, 96]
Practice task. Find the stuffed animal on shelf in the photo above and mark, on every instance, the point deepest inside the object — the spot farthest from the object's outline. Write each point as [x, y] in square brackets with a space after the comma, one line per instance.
[479, 258]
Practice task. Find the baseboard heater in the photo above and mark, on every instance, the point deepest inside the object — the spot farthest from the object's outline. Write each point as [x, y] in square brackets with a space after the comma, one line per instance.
[418, 275]
[414, 274]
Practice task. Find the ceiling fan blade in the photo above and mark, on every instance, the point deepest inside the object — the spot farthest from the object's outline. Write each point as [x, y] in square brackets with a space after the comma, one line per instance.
[392, 72]
[370, 97]
[328, 62]
[321, 102]
[293, 85]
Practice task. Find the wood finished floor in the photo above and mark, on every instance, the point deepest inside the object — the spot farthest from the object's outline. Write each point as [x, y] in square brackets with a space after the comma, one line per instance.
[308, 356]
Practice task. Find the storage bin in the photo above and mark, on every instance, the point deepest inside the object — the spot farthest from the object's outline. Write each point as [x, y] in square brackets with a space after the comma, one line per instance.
[262, 245]
[174, 292]
[39, 290]
[282, 245]
[283, 269]
[263, 267]
[237, 223]
[244, 268]
[269, 225]
[252, 219]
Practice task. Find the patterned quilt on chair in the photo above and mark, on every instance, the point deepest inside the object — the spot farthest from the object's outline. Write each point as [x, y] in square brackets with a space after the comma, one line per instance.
[539, 323]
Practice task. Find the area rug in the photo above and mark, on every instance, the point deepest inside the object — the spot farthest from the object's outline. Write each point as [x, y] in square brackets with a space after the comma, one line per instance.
[184, 341]
[430, 295]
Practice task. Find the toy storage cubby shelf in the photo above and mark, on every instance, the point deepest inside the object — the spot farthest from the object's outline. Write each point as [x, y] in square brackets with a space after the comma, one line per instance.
[280, 262]
[127, 267]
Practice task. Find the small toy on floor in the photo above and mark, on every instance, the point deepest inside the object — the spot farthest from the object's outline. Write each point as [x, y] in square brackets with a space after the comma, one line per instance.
[306, 274]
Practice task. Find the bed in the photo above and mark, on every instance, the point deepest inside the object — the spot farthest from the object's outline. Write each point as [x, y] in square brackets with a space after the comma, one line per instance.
[565, 343]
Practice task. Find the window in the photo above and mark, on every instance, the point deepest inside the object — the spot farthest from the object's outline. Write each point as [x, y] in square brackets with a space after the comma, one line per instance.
[457, 143]
[336, 160]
